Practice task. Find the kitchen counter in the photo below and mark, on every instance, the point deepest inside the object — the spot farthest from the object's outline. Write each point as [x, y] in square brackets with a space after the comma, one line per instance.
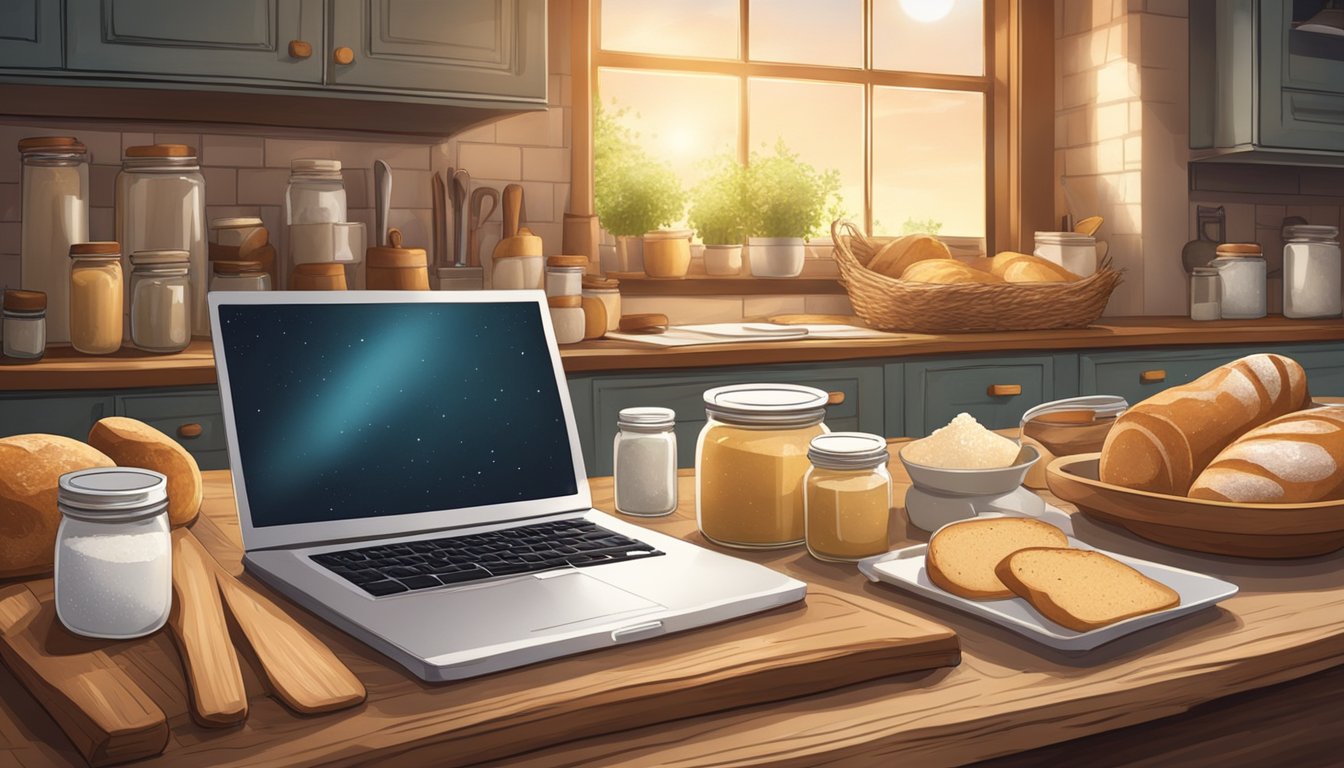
[1008, 700]
[65, 369]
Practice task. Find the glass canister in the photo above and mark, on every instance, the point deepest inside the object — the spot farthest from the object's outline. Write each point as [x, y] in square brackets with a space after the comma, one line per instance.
[96, 298]
[564, 275]
[847, 496]
[25, 324]
[316, 192]
[1242, 272]
[750, 461]
[161, 206]
[54, 214]
[1311, 272]
[608, 291]
[114, 573]
[239, 276]
[645, 462]
[567, 318]
[160, 301]
[1206, 294]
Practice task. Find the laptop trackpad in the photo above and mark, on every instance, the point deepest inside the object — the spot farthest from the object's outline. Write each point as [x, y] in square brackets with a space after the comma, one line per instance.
[567, 598]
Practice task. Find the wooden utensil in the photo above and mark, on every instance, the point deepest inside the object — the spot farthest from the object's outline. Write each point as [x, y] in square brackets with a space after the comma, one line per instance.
[513, 209]
[649, 322]
[105, 714]
[1088, 226]
[476, 221]
[218, 696]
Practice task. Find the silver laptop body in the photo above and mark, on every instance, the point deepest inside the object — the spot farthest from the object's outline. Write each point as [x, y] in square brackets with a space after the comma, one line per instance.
[420, 390]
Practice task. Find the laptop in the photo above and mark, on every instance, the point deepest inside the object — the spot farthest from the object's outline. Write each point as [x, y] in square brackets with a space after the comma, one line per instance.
[406, 466]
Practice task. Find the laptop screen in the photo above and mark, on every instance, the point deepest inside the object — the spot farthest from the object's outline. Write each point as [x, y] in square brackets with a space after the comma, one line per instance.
[362, 410]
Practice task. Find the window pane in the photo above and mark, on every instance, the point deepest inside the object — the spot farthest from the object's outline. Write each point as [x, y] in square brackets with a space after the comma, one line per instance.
[928, 161]
[697, 28]
[807, 32]
[942, 36]
[822, 122]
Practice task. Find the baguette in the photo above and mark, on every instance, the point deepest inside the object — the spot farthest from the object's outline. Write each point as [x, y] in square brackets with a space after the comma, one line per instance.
[1081, 589]
[1163, 443]
[1025, 267]
[961, 556]
[896, 256]
[947, 271]
[1298, 458]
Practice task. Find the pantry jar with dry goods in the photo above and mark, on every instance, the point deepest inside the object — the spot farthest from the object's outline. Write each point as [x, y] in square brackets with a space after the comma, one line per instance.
[564, 275]
[96, 298]
[847, 496]
[1242, 273]
[315, 193]
[567, 318]
[608, 291]
[239, 276]
[25, 324]
[644, 463]
[1311, 271]
[750, 461]
[160, 301]
[54, 214]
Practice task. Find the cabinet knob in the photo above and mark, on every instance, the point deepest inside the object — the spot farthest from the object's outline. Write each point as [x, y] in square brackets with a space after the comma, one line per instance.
[835, 398]
[300, 49]
[1152, 377]
[1004, 390]
[189, 431]
[343, 55]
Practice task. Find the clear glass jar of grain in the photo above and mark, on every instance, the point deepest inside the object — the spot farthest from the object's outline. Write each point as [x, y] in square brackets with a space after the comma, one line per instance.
[161, 301]
[645, 462]
[847, 496]
[96, 298]
[55, 214]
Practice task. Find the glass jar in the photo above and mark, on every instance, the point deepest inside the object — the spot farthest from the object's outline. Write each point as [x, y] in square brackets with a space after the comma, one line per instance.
[25, 324]
[316, 192]
[750, 461]
[608, 291]
[239, 276]
[564, 275]
[96, 298]
[160, 301]
[1206, 294]
[1311, 272]
[847, 496]
[161, 206]
[567, 318]
[114, 574]
[1241, 270]
[55, 213]
[645, 462]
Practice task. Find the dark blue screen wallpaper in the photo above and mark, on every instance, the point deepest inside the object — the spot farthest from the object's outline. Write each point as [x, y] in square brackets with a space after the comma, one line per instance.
[359, 410]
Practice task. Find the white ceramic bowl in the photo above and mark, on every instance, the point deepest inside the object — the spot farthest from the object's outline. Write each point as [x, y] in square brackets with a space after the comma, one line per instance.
[972, 482]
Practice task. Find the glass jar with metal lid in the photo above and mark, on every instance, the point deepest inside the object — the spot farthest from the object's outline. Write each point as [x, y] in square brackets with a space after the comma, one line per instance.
[1242, 272]
[97, 318]
[1311, 271]
[54, 214]
[25, 324]
[239, 276]
[644, 462]
[750, 461]
[316, 192]
[1206, 294]
[564, 275]
[160, 301]
[114, 574]
[847, 496]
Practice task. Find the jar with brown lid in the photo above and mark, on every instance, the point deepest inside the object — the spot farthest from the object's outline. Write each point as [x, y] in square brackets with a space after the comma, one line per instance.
[1242, 272]
[160, 301]
[54, 213]
[608, 291]
[97, 297]
[25, 324]
[326, 276]
[239, 276]
[394, 268]
[564, 275]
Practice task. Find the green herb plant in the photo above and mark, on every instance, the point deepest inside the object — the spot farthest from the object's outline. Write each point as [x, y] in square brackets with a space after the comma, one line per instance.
[632, 192]
[787, 197]
[718, 211]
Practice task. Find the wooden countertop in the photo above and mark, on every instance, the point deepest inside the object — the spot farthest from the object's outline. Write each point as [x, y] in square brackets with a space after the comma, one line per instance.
[1007, 696]
[63, 368]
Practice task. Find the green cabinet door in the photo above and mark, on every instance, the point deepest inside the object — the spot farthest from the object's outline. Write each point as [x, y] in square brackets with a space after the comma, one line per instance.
[235, 41]
[30, 34]
[1138, 374]
[193, 417]
[996, 391]
[70, 414]
[493, 49]
[1301, 81]
[1324, 364]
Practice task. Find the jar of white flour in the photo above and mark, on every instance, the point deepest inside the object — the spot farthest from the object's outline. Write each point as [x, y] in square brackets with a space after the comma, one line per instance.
[114, 572]
[645, 462]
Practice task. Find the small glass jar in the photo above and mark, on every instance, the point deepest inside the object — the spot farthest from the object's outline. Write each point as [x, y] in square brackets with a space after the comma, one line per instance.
[54, 213]
[1206, 294]
[608, 291]
[567, 318]
[160, 301]
[645, 462]
[1242, 272]
[239, 276]
[1311, 272]
[750, 461]
[114, 573]
[564, 275]
[316, 192]
[25, 324]
[847, 496]
[96, 298]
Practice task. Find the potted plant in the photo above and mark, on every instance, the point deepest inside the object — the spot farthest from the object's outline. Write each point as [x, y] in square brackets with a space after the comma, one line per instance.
[632, 193]
[788, 200]
[718, 214]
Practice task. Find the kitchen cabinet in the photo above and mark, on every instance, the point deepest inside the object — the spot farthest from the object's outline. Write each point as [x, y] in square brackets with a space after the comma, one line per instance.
[30, 34]
[1138, 374]
[69, 414]
[994, 390]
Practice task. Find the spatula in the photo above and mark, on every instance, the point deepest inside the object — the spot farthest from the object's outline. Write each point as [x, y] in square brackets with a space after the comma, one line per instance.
[218, 696]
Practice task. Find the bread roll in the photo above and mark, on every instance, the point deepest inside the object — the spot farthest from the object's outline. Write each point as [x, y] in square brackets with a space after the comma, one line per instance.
[1164, 442]
[947, 271]
[1026, 268]
[132, 443]
[1296, 458]
[894, 258]
[30, 467]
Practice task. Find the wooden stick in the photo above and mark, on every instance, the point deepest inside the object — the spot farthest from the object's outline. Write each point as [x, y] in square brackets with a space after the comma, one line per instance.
[218, 696]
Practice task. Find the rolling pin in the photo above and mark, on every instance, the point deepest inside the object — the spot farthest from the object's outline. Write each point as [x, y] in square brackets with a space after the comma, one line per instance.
[512, 205]
[218, 696]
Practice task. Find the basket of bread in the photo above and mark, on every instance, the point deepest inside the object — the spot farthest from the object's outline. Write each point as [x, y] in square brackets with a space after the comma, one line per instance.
[913, 283]
[1239, 462]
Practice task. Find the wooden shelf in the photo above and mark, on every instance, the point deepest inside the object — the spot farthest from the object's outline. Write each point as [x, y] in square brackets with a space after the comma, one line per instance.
[704, 285]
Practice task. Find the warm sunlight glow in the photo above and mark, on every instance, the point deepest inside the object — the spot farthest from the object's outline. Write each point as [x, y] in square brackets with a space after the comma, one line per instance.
[926, 10]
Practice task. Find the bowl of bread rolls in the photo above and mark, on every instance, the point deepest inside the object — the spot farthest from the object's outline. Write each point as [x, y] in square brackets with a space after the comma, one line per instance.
[1238, 462]
[913, 283]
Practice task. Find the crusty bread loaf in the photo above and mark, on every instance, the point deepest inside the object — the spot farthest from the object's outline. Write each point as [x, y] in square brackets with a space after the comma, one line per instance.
[30, 467]
[1292, 459]
[947, 271]
[1027, 268]
[132, 443]
[962, 555]
[1081, 589]
[1164, 442]
[896, 256]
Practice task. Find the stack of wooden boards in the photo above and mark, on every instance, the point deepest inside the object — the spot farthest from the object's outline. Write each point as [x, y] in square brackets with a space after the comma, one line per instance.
[925, 259]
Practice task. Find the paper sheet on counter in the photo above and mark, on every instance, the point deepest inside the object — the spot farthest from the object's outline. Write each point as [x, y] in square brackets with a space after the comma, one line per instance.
[733, 333]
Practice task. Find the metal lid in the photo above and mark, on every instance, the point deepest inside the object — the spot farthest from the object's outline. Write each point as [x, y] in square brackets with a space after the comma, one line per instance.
[1321, 233]
[100, 248]
[848, 450]
[777, 404]
[1239, 250]
[161, 150]
[113, 489]
[160, 258]
[225, 267]
[53, 144]
[650, 417]
[1204, 271]
[235, 222]
[305, 164]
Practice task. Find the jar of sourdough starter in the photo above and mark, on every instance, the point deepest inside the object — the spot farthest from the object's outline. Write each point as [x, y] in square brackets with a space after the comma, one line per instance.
[750, 461]
[96, 298]
[160, 301]
[847, 496]
[645, 462]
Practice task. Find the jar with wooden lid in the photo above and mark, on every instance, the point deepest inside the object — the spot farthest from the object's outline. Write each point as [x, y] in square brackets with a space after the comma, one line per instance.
[97, 297]
[566, 318]
[54, 213]
[608, 291]
[318, 277]
[394, 268]
[750, 461]
[847, 496]
[25, 324]
[160, 301]
[564, 275]
[238, 276]
[1242, 273]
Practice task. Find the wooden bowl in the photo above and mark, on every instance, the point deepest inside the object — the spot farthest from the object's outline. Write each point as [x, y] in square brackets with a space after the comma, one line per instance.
[1267, 531]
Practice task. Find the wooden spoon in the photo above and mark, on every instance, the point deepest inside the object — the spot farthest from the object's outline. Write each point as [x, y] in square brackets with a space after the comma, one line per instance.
[1088, 226]
[218, 696]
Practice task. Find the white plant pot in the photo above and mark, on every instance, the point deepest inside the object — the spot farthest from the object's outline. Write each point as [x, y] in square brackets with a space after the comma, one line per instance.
[630, 253]
[723, 260]
[776, 256]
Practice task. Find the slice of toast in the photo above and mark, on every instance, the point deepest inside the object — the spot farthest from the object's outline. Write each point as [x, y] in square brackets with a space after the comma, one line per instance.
[1081, 589]
[962, 556]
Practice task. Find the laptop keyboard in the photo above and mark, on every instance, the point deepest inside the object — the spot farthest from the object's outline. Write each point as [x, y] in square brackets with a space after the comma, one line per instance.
[389, 569]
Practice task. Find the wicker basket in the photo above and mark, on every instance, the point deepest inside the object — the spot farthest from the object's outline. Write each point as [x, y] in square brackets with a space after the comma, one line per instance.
[888, 304]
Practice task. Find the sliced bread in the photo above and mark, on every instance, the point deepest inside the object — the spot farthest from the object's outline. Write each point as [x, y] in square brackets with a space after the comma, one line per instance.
[1081, 589]
[962, 556]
